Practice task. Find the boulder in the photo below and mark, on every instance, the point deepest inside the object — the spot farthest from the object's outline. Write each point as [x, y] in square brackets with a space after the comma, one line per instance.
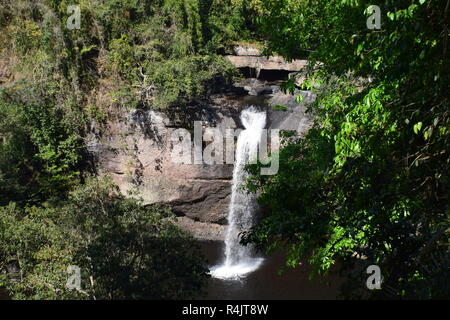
[256, 87]
[295, 117]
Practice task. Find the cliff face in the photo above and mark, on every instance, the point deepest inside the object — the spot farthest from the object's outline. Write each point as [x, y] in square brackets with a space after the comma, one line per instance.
[137, 146]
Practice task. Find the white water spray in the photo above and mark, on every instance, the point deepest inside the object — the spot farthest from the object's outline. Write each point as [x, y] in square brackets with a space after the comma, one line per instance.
[240, 260]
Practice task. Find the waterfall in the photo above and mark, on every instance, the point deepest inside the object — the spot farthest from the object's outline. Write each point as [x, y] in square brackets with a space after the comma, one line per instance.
[240, 260]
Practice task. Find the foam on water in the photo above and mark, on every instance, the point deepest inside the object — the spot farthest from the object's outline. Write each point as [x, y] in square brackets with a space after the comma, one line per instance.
[237, 271]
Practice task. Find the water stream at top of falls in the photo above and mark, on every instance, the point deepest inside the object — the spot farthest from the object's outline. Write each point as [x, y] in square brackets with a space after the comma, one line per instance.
[240, 260]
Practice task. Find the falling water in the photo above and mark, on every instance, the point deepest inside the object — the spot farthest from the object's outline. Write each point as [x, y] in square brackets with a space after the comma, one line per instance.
[240, 260]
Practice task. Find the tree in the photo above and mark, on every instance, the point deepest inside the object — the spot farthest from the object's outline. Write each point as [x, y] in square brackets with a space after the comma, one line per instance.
[370, 180]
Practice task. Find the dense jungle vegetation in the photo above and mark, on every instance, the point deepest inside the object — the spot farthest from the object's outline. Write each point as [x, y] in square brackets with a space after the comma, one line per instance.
[368, 184]
[371, 178]
[54, 81]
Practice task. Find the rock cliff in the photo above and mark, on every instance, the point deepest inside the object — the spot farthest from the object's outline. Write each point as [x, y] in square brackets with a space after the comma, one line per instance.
[136, 149]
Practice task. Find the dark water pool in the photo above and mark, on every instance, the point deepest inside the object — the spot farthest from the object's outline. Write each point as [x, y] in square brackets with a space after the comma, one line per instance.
[265, 283]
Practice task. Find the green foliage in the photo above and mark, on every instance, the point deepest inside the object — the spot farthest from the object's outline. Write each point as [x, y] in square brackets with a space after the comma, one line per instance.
[127, 42]
[371, 178]
[124, 250]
